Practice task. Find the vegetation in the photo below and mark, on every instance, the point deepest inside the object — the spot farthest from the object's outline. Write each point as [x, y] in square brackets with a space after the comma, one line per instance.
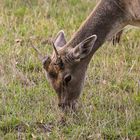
[109, 108]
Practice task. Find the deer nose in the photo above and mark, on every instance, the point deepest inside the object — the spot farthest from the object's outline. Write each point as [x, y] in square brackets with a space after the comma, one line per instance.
[61, 105]
[68, 105]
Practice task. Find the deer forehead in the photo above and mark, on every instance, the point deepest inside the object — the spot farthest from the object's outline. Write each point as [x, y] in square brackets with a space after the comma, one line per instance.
[54, 69]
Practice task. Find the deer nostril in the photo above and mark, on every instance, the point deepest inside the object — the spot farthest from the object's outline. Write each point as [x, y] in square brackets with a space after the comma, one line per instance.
[59, 105]
[67, 105]
[62, 106]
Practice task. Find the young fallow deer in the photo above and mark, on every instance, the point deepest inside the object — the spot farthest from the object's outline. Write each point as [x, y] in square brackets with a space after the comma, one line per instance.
[67, 67]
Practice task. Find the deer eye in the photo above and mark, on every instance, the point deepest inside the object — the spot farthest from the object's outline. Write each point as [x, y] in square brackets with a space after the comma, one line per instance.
[67, 78]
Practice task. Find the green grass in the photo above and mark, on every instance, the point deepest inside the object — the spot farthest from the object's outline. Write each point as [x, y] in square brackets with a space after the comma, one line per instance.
[110, 104]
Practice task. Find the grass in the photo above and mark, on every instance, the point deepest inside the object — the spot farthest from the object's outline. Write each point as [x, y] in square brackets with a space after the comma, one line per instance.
[110, 103]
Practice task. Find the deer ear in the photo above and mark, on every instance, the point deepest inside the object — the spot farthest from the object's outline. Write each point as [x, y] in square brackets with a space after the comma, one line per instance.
[84, 48]
[60, 40]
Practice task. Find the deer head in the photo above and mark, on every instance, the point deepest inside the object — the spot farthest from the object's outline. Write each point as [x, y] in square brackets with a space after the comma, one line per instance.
[67, 66]
[65, 69]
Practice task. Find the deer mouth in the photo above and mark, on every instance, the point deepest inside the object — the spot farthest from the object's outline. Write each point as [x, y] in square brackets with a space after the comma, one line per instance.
[71, 105]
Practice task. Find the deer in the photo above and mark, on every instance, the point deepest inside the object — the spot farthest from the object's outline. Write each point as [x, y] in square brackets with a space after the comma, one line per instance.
[67, 66]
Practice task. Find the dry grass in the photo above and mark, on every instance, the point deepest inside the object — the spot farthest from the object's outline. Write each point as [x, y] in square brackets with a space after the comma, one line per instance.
[110, 104]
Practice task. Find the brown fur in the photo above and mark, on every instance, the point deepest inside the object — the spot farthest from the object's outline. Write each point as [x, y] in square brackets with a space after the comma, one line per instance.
[108, 18]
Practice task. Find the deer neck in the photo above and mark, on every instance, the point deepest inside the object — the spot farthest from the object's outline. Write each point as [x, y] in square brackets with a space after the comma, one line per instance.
[108, 18]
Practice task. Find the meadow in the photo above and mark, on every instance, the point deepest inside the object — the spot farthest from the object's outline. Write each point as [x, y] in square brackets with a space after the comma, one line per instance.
[109, 107]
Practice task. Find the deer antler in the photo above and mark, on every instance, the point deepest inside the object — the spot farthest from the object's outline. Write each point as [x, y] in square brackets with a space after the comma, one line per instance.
[59, 59]
[55, 50]
[45, 60]
[38, 52]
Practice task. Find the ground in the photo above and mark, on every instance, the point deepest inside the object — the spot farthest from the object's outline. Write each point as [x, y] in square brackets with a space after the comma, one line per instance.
[109, 108]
